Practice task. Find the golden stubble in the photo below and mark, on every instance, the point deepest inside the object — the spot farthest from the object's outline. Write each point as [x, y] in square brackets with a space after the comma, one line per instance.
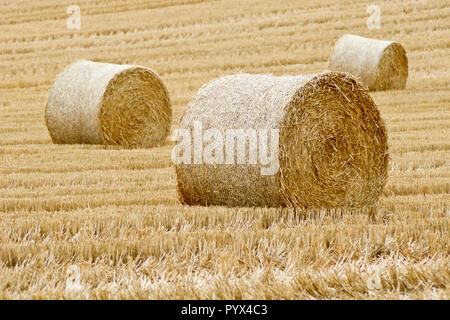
[92, 221]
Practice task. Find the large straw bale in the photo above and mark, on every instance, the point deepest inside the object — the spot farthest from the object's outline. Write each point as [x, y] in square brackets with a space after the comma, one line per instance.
[332, 151]
[381, 65]
[102, 103]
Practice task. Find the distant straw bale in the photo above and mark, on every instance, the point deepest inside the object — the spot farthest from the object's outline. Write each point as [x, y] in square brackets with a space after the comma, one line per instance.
[381, 65]
[101, 103]
[332, 152]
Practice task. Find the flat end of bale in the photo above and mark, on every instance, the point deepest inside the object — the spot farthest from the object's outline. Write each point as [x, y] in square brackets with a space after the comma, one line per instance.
[135, 110]
[333, 145]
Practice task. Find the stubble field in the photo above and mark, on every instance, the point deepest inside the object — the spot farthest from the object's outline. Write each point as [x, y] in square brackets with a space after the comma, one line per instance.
[89, 221]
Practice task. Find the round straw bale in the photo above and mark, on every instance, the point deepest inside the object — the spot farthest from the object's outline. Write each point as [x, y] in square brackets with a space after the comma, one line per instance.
[332, 150]
[381, 65]
[102, 103]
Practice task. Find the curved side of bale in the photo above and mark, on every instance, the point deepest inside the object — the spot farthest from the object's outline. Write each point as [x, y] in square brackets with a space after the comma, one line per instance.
[101, 103]
[381, 65]
[332, 142]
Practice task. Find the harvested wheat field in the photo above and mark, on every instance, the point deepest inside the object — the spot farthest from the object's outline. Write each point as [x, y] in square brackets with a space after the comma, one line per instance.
[104, 222]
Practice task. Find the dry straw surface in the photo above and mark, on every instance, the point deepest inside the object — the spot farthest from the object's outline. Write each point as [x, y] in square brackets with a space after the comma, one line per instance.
[102, 103]
[112, 213]
[333, 148]
[381, 65]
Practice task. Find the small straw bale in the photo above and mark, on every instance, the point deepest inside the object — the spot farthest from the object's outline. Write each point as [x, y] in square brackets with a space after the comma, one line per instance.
[332, 150]
[381, 65]
[102, 103]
